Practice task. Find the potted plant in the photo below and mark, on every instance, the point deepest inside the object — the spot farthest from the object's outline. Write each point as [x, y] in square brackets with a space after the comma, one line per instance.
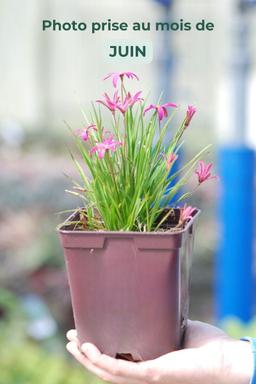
[127, 251]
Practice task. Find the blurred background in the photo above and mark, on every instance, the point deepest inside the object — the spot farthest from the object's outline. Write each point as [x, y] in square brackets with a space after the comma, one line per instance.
[46, 77]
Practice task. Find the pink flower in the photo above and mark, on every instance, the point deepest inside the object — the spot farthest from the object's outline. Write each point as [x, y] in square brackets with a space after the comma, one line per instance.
[129, 101]
[190, 113]
[186, 213]
[84, 133]
[108, 144]
[160, 109]
[112, 105]
[172, 157]
[120, 75]
[203, 172]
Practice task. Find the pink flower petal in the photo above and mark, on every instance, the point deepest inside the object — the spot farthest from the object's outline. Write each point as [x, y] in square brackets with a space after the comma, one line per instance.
[115, 80]
[170, 105]
[108, 76]
[161, 113]
[151, 106]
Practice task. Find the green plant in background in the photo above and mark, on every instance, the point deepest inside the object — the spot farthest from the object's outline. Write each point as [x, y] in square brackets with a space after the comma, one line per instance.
[25, 362]
[131, 181]
[237, 329]
[11, 317]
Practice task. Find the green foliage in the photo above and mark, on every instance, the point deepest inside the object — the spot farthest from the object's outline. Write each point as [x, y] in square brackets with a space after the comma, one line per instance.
[237, 329]
[128, 188]
[26, 363]
[8, 303]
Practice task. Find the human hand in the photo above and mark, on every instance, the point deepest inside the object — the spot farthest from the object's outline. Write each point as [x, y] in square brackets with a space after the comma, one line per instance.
[210, 356]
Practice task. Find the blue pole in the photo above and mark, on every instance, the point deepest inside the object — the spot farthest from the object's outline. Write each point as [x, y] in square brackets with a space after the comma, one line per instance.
[167, 72]
[234, 266]
[167, 65]
[235, 256]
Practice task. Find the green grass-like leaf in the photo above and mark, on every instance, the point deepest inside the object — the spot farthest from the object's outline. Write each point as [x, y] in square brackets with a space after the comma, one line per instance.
[128, 189]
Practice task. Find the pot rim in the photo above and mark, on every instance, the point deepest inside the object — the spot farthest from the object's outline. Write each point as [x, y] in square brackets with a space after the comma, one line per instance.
[133, 233]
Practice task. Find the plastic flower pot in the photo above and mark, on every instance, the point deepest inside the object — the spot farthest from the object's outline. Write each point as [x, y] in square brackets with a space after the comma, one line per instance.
[130, 290]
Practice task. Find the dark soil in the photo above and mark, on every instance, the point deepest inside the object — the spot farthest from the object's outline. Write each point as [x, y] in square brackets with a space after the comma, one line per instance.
[78, 221]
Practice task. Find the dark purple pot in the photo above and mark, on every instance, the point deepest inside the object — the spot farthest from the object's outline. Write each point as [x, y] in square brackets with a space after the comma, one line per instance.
[130, 290]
